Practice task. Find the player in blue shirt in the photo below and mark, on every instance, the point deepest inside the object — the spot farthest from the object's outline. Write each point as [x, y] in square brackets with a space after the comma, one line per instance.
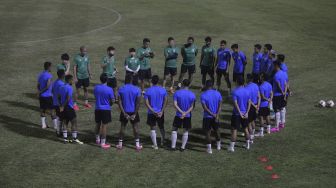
[156, 101]
[44, 87]
[280, 95]
[211, 102]
[240, 62]
[104, 96]
[184, 103]
[56, 87]
[223, 65]
[266, 96]
[253, 89]
[67, 111]
[129, 103]
[241, 107]
[266, 62]
[257, 58]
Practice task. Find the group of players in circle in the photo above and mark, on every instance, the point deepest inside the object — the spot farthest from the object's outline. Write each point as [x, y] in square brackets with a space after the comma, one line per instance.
[266, 87]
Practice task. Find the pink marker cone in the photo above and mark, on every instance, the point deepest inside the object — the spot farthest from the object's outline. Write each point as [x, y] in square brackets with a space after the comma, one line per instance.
[275, 176]
[263, 159]
[269, 167]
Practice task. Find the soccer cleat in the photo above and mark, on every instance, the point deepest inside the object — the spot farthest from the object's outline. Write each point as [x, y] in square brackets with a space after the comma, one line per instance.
[119, 147]
[75, 107]
[230, 149]
[97, 141]
[260, 134]
[65, 140]
[105, 146]
[138, 148]
[209, 151]
[282, 125]
[274, 130]
[155, 147]
[87, 105]
[77, 141]
[247, 145]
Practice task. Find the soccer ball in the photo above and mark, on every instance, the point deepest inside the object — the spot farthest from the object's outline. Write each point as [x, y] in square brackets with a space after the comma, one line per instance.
[322, 103]
[330, 103]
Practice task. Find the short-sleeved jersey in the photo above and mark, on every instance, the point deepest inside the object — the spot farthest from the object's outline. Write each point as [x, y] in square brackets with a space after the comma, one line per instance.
[208, 53]
[189, 54]
[110, 68]
[145, 61]
[185, 99]
[239, 60]
[265, 89]
[156, 96]
[171, 53]
[56, 87]
[253, 89]
[257, 58]
[82, 63]
[132, 63]
[212, 99]
[129, 94]
[43, 79]
[103, 95]
[223, 58]
[242, 96]
[65, 91]
[279, 77]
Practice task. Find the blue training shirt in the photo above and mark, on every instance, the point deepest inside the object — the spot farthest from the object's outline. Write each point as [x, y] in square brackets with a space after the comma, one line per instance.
[56, 91]
[239, 59]
[211, 98]
[129, 94]
[266, 89]
[254, 91]
[242, 96]
[43, 81]
[185, 99]
[65, 91]
[224, 56]
[281, 77]
[156, 96]
[103, 95]
[257, 58]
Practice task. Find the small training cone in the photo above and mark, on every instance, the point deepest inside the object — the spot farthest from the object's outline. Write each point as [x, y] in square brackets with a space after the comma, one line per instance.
[269, 167]
[263, 159]
[275, 176]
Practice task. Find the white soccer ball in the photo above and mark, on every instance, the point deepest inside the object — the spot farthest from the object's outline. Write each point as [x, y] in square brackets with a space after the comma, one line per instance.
[322, 103]
[330, 103]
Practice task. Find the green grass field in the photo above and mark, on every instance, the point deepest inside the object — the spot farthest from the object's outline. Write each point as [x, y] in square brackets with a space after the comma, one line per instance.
[31, 32]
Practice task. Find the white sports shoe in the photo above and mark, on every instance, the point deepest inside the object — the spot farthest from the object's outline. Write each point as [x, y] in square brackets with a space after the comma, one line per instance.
[209, 151]
[78, 141]
[219, 147]
[231, 149]
[155, 147]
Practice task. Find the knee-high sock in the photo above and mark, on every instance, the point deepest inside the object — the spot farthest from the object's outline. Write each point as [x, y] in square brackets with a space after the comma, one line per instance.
[153, 137]
[173, 139]
[184, 139]
[283, 116]
[277, 119]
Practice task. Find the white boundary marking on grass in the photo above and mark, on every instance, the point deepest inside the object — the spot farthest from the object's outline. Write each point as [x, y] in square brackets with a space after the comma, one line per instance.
[76, 34]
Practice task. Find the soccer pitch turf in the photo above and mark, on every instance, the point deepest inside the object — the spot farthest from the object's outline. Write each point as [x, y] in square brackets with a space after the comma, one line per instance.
[31, 32]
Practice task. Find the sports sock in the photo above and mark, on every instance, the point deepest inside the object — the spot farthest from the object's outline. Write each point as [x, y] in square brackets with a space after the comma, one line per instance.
[55, 122]
[43, 120]
[232, 144]
[277, 119]
[283, 116]
[120, 142]
[209, 146]
[184, 139]
[86, 101]
[65, 134]
[137, 142]
[173, 139]
[74, 135]
[262, 131]
[97, 137]
[153, 137]
[102, 141]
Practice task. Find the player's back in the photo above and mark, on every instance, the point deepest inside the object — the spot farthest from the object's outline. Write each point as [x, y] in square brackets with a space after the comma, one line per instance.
[103, 95]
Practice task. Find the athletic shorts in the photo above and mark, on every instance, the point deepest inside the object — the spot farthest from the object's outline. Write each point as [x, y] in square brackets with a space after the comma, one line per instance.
[145, 74]
[170, 70]
[237, 121]
[278, 103]
[83, 82]
[135, 77]
[124, 120]
[237, 75]
[46, 103]
[264, 111]
[252, 115]
[191, 69]
[152, 121]
[58, 111]
[103, 116]
[210, 124]
[222, 72]
[68, 113]
[207, 70]
[112, 82]
[182, 123]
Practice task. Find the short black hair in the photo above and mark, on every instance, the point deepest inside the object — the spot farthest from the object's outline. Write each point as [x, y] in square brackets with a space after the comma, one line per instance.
[186, 83]
[128, 78]
[240, 80]
[110, 48]
[249, 77]
[131, 50]
[60, 73]
[223, 42]
[103, 78]
[207, 39]
[258, 46]
[68, 78]
[277, 63]
[263, 76]
[209, 84]
[155, 79]
[170, 39]
[281, 57]
[191, 38]
[46, 65]
[65, 56]
[234, 46]
[268, 46]
[145, 40]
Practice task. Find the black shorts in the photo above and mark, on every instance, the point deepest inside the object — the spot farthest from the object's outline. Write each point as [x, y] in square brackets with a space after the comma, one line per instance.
[58, 112]
[264, 111]
[46, 103]
[124, 120]
[135, 77]
[222, 72]
[191, 69]
[182, 123]
[152, 121]
[112, 82]
[207, 70]
[170, 70]
[68, 113]
[237, 121]
[252, 115]
[103, 116]
[83, 82]
[237, 75]
[210, 124]
[145, 74]
[278, 103]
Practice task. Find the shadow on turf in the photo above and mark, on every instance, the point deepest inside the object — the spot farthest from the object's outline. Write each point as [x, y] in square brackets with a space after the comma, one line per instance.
[22, 105]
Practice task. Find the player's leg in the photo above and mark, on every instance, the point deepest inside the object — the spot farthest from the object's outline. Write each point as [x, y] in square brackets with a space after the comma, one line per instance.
[277, 108]
[97, 132]
[123, 123]
[74, 127]
[228, 82]
[244, 123]
[204, 72]
[186, 127]
[160, 122]
[78, 84]
[151, 121]
[172, 80]
[103, 133]
[65, 131]
[207, 131]
[164, 80]
[215, 127]
[43, 112]
[182, 73]
[235, 123]
[176, 124]
[211, 74]
[135, 125]
[219, 78]
[54, 117]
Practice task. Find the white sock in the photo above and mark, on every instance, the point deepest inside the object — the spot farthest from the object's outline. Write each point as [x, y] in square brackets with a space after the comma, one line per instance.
[102, 141]
[253, 131]
[86, 101]
[271, 107]
[283, 115]
[137, 142]
[153, 137]
[97, 137]
[43, 120]
[55, 122]
[248, 144]
[184, 139]
[74, 134]
[120, 142]
[277, 119]
[65, 134]
[173, 139]
[268, 128]
[209, 146]
[219, 145]
[262, 131]
[232, 144]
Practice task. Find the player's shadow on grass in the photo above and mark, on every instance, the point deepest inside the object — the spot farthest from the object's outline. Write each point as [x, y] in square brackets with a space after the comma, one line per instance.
[22, 105]
[26, 128]
[31, 95]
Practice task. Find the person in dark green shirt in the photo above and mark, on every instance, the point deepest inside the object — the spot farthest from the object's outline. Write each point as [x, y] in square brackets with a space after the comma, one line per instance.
[171, 53]
[132, 66]
[208, 58]
[82, 75]
[108, 65]
[145, 53]
[189, 52]
[65, 65]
